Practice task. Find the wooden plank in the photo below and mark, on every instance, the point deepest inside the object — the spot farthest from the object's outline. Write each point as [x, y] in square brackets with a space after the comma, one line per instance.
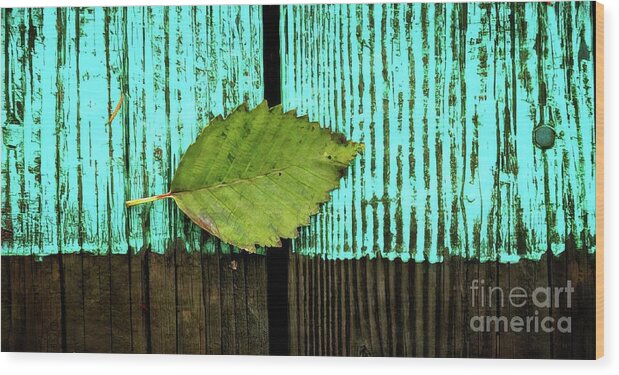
[34, 319]
[442, 328]
[339, 326]
[402, 308]
[45, 324]
[471, 302]
[559, 275]
[325, 303]
[522, 276]
[580, 271]
[227, 295]
[96, 304]
[6, 303]
[139, 294]
[120, 303]
[489, 307]
[71, 197]
[588, 307]
[506, 340]
[17, 324]
[191, 327]
[73, 304]
[381, 306]
[543, 343]
[424, 128]
[162, 302]
[213, 319]
[117, 310]
[256, 304]
[444, 347]
[294, 342]
[432, 286]
[458, 308]
[417, 292]
[238, 269]
[369, 304]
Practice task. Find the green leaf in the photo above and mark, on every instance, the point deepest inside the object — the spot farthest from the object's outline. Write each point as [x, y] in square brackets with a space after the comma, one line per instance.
[258, 175]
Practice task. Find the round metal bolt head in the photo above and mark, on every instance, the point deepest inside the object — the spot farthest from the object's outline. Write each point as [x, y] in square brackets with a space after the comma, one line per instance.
[544, 137]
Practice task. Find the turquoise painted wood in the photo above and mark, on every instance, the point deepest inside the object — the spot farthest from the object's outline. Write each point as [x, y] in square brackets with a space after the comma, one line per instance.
[445, 98]
[66, 172]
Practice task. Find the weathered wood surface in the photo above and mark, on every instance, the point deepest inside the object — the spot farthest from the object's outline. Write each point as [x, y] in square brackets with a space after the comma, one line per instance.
[192, 303]
[66, 172]
[392, 308]
[147, 303]
[445, 98]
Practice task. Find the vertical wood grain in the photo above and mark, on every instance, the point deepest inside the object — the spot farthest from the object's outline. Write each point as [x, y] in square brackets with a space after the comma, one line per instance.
[445, 98]
[180, 302]
[429, 313]
[66, 171]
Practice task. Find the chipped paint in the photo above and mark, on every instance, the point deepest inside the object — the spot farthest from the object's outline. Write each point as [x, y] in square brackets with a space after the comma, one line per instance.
[445, 98]
[66, 171]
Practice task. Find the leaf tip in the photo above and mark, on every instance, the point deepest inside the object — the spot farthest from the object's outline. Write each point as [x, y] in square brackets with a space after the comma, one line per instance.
[263, 105]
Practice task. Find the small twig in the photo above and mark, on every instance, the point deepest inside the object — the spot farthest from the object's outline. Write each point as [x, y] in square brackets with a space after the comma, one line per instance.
[118, 105]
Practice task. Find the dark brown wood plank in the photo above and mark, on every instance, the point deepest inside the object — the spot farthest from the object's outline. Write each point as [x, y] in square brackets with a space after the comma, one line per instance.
[581, 269]
[120, 303]
[457, 306]
[17, 324]
[45, 322]
[558, 275]
[162, 302]
[139, 274]
[444, 347]
[404, 308]
[212, 300]
[505, 341]
[256, 304]
[226, 284]
[31, 318]
[429, 311]
[419, 323]
[238, 270]
[7, 303]
[190, 313]
[294, 339]
[489, 307]
[233, 316]
[73, 306]
[96, 293]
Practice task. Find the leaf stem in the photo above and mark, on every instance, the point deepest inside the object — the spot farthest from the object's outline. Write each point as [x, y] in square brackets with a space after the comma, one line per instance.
[135, 202]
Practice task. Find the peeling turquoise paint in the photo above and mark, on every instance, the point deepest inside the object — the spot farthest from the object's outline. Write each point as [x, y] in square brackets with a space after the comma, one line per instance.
[66, 173]
[445, 98]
